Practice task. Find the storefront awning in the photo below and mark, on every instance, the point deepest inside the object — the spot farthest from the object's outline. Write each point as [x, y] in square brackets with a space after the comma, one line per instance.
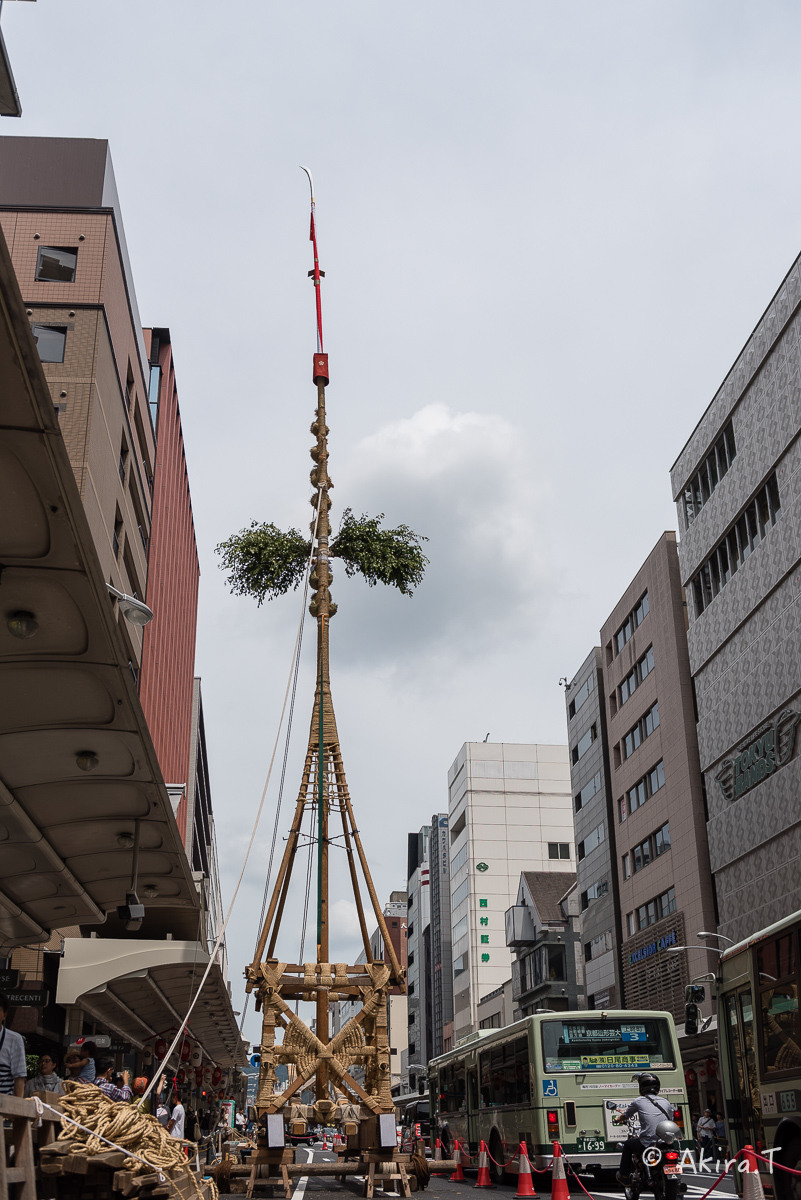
[143, 989]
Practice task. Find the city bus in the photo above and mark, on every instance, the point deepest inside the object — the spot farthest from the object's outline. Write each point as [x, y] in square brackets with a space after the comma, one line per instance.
[554, 1076]
[760, 1047]
[414, 1117]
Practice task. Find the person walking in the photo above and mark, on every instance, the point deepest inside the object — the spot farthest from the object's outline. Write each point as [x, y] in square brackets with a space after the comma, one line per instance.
[175, 1125]
[705, 1133]
[13, 1068]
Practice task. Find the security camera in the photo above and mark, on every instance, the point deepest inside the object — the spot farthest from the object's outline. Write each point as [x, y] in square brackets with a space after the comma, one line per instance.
[131, 912]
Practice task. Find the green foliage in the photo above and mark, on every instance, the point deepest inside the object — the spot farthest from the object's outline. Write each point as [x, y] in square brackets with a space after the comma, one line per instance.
[391, 556]
[264, 562]
[32, 1064]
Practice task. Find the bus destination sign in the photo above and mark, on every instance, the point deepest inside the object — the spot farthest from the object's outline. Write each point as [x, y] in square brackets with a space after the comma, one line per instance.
[601, 1062]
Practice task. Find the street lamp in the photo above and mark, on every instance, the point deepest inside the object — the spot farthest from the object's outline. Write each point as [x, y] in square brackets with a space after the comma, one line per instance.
[132, 609]
[704, 934]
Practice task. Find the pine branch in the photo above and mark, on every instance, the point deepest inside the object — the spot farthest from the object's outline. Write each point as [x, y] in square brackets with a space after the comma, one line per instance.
[264, 562]
[391, 556]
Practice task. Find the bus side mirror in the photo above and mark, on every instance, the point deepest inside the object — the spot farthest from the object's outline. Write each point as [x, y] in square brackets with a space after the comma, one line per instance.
[692, 1015]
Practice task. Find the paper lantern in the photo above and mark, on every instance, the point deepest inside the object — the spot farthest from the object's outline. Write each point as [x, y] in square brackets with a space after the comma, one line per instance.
[691, 1077]
[221, 1095]
[207, 1073]
[180, 1078]
[186, 1052]
[199, 1077]
[712, 1066]
[196, 1057]
[216, 1076]
[147, 1056]
[160, 1048]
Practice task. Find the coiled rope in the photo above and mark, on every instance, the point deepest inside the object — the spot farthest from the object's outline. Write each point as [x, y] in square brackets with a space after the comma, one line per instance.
[90, 1117]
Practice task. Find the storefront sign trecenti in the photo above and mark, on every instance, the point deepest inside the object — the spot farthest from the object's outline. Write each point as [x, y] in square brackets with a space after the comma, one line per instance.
[761, 757]
[637, 956]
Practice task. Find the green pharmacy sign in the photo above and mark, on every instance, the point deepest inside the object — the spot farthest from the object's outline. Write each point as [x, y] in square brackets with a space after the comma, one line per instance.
[761, 757]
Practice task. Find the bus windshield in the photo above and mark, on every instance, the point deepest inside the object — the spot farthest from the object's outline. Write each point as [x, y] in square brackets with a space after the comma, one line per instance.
[606, 1045]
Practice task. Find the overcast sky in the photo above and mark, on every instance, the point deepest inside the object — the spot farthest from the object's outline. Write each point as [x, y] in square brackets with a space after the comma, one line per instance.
[547, 230]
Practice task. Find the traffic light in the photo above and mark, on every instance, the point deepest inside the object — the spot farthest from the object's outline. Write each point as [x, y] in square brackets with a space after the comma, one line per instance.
[692, 1015]
[694, 993]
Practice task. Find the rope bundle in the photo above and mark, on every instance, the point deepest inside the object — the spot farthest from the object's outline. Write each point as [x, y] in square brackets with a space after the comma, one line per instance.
[127, 1126]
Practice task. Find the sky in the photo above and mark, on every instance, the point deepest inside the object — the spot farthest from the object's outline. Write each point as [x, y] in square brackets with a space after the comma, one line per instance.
[547, 231]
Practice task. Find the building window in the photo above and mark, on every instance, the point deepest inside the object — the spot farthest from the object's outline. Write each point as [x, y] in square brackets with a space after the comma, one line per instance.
[583, 744]
[661, 839]
[626, 861]
[412, 1049]
[641, 855]
[643, 790]
[661, 906]
[559, 850]
[631, 924]
[701, 486]
[643, 729]
[598, 945]
[593, 893]
[54, 264]
[739, 543]
[588, 791]
[581, 696]
[51, 341]
[460, 964]
[635, 677]
[591, 842]
[632, 622]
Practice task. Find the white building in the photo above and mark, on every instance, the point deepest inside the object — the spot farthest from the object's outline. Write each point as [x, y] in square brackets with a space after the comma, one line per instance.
[510, 810]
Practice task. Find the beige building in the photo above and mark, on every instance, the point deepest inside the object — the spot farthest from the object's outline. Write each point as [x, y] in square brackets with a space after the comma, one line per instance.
[61, 218]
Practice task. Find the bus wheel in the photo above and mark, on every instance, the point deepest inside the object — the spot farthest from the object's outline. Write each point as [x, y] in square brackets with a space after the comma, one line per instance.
[497, 1174]
[788, 1187]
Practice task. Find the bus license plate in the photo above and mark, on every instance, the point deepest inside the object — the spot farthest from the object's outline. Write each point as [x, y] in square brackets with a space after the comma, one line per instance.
[591, 1145]
[674, 1170]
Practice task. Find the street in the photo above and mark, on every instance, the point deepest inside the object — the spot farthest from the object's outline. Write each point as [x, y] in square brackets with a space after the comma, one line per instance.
[442, 1189]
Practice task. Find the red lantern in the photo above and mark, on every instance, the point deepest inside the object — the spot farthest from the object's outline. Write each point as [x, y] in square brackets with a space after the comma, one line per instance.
[199, 1076]
[180, 1078]
[711, 1066]
[691, 1077]
[186, 1052]
[216, 1075]
[160, 1048]
[221, 1096]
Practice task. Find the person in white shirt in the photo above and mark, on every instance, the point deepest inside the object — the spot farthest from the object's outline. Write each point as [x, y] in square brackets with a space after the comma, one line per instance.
[13, 1068]
[175, 1125]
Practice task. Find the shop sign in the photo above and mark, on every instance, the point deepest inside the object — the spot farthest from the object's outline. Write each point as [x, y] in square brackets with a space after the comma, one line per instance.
[654, 947]
[9, 978]
[32, 996]
[761, 757]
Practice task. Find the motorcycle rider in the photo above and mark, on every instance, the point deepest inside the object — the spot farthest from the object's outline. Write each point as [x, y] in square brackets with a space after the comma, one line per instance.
[650, 1108]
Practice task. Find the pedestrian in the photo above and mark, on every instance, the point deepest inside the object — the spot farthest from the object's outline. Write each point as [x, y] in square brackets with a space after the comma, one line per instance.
[13, 1068]
[103, 1074]
[720, 1135]
[175, 1125]
[45, 1079]
[705, 1132]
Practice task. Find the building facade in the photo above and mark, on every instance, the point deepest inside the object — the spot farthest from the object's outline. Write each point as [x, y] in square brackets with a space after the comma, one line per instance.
[441, 958]
[735, 484]
[543, 932]
[661, 854]
[593, 807]
[418, 976]
[509, 810]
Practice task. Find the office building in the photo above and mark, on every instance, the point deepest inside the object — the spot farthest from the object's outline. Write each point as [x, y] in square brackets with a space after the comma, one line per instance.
[509, 810]
[543, 932]
[593, 807]
[441, 959]
[660, 848]
[418, 971]
[735, 487]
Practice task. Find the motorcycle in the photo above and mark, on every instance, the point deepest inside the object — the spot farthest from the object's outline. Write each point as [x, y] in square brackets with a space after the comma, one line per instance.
[659, 1166]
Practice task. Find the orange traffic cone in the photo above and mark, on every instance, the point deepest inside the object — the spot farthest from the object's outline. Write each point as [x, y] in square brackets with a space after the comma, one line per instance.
[525, 1182]
[483, 1180]
[559, 1188]
[752, 1182]
[325, 1141]
[458, 1174]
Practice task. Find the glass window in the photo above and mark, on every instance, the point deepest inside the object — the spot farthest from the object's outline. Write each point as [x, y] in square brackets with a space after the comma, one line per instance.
[584, 743]
[588, 791]
[701, 486]
[595, 1042]
[667, 902]
[461, 893]
[781, 1033]
[662, 840]
[51, 341]
[626, 866]
[55, 264]
[630, 924]
[581, 696]
[553, 849]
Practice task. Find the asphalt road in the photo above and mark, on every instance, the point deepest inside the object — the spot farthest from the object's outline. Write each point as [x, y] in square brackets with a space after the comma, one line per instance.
[319, 1188]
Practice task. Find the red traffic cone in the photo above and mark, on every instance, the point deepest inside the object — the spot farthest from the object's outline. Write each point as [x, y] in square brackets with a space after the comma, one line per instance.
[458, 1174]
[752, 1182]
[559, 1188]
[483, 1180]
[325, 1141]
[525, 1182]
